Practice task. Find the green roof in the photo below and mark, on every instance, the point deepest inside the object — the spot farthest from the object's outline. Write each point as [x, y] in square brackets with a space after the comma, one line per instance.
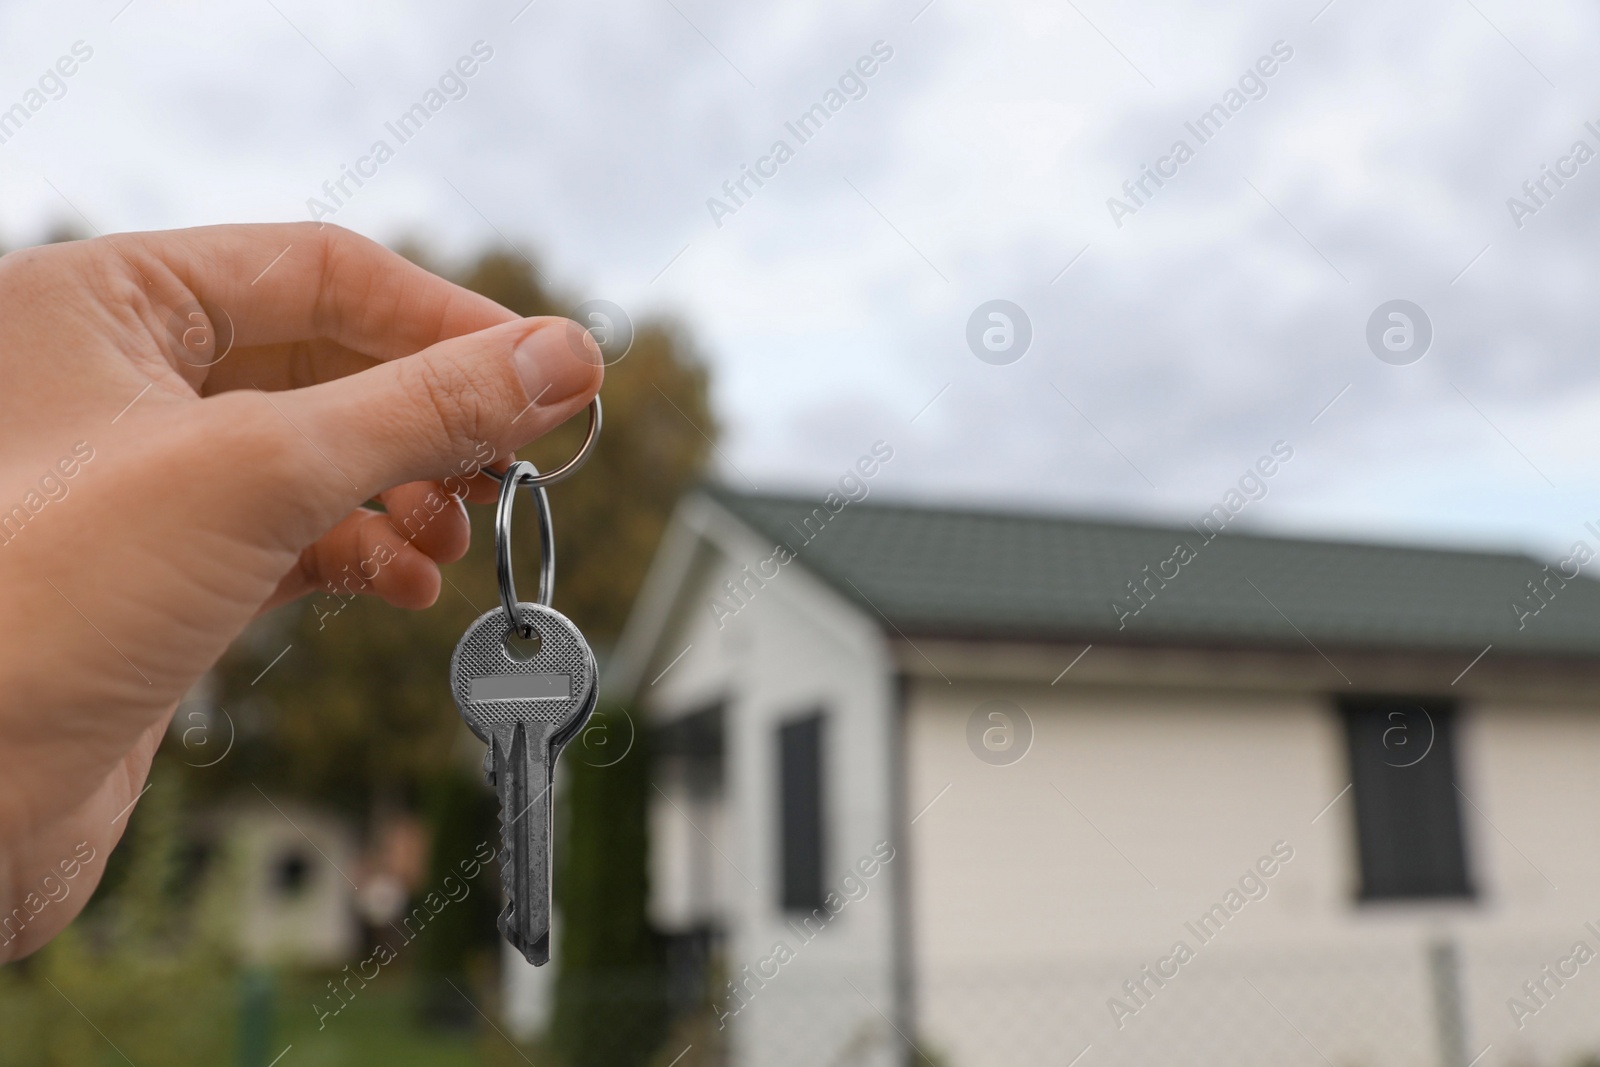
[992, 574]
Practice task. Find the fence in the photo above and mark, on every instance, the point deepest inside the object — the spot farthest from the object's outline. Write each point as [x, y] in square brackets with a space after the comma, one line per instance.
[1436, 1004]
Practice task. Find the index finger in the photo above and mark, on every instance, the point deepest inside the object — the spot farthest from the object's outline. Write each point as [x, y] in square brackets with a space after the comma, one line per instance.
[288, 282]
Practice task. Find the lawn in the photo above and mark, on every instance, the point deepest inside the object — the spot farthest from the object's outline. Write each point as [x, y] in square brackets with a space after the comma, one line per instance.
[104, 1017]
[381, 1025]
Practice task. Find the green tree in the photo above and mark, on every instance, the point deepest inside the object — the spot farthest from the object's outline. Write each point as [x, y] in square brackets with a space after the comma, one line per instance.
[463, 815]
[610, 1008]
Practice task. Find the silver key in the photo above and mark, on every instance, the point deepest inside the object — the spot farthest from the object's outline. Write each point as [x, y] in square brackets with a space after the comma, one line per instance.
[525, 710]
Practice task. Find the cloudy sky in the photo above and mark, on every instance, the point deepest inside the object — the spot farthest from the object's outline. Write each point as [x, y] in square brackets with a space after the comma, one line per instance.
[1227, 312]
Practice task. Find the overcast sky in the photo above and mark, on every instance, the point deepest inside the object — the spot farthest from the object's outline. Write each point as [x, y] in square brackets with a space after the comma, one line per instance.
[1227, 312]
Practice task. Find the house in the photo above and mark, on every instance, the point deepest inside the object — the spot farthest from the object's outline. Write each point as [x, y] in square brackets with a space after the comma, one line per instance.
[981, 788]
[294, 905]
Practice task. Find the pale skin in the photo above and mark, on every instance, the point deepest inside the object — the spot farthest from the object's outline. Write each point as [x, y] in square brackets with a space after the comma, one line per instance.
[217, 492]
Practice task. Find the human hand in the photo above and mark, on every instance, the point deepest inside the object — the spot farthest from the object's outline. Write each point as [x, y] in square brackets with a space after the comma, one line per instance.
[161, 486]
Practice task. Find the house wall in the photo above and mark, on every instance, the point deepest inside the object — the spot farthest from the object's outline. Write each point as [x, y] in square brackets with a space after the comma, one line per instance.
[311, 923]
[1534, 774]
[794, 647]
[1040, 887]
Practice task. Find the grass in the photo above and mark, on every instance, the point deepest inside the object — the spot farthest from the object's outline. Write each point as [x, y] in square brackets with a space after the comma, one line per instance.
[381, 1025]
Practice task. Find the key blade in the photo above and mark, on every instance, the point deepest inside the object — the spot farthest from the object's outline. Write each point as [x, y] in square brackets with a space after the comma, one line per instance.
[524, 780]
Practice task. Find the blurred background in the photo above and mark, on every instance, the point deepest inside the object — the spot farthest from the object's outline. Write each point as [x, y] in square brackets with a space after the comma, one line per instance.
[998, 305]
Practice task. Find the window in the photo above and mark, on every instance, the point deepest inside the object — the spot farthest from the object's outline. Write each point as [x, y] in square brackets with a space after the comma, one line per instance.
[1408, 817]
[688, 863]
[688, 751]
[800, 814]
[290, 872]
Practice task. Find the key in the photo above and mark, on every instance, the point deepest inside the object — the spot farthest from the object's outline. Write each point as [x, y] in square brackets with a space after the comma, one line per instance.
[525, 708]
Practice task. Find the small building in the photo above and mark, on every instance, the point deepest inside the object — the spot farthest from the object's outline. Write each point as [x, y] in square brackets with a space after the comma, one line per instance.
[294, 904]
[1008, 788]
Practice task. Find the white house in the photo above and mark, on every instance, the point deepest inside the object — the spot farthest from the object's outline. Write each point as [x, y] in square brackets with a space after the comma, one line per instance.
[975, 788]
[293, 904]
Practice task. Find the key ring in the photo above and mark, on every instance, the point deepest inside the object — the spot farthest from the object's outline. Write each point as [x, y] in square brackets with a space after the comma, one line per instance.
[523, 473]
[539, 481]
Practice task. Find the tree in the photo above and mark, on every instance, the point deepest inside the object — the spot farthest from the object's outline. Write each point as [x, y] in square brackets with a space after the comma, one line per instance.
[463, 816]
[611, 996]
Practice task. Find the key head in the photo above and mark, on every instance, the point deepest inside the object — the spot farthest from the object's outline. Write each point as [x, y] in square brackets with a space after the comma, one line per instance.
[496, 685]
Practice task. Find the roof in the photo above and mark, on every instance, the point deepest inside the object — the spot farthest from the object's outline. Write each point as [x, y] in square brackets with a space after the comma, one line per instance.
[991, 574]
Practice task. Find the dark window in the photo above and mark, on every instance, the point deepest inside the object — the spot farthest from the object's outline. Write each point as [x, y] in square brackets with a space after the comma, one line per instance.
[290, 872]
[689, 750]
[1408, 816]
[800, 812]
[686, 753]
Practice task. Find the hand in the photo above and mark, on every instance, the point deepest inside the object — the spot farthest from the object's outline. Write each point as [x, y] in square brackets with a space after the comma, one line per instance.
[159, 486]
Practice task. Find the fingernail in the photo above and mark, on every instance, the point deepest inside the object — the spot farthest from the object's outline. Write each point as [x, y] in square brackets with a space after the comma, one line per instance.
[548, 363]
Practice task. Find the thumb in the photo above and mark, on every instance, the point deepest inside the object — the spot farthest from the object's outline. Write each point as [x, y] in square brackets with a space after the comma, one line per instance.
[421, 416]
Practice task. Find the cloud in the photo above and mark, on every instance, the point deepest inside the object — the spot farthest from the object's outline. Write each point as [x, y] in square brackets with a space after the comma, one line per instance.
[1222, 316]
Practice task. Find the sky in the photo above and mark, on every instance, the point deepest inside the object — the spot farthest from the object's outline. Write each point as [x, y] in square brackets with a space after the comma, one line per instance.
[1178, 332]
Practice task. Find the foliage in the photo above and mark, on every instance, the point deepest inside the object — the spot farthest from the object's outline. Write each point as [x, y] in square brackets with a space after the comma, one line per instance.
[610, 1008]
[381, 1027]
[463, 814]
[147, 967]
[696, 1040]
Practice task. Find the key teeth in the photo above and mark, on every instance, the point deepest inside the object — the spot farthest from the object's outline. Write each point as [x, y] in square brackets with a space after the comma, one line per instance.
[536, 951]
[507, 876]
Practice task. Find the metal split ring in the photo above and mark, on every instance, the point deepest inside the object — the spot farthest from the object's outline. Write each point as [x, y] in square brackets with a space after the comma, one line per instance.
[539, 481]
[523, 473]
